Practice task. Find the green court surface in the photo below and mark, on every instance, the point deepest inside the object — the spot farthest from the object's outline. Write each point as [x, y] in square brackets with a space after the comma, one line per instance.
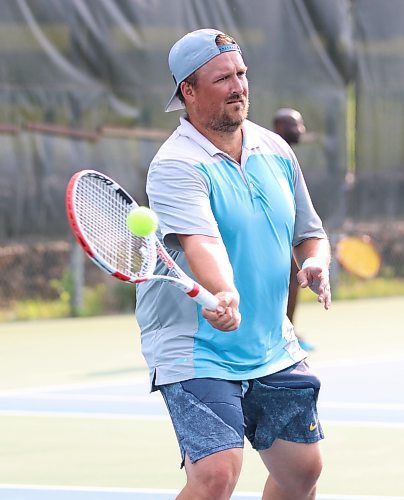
[139, 454]
[361, 458]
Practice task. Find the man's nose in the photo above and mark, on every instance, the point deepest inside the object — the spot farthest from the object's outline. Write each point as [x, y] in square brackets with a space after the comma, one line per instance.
[237, 85]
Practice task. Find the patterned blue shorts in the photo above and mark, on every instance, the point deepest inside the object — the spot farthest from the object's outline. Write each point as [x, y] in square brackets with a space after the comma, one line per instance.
[211, 415]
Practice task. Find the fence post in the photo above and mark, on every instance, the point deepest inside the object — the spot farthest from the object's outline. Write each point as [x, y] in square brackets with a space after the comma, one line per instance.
[77, 272]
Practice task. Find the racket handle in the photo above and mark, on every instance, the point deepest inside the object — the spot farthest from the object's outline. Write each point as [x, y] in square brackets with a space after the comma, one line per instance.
[206, 299]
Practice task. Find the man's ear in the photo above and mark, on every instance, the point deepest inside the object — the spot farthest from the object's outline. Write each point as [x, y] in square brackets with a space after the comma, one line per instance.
[187, 89]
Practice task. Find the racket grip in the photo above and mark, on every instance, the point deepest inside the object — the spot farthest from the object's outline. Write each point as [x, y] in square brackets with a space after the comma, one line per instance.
[206, 299]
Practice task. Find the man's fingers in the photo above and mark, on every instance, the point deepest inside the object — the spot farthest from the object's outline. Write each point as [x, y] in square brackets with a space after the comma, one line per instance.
[229, 320]
[318, 281]
[324, 296]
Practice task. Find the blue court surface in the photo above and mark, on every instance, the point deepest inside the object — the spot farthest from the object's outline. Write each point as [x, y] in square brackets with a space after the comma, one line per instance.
[35, 493]
[355, 392]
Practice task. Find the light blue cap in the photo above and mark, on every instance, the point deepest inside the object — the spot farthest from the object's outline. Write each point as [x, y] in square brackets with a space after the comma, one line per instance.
[190, 53]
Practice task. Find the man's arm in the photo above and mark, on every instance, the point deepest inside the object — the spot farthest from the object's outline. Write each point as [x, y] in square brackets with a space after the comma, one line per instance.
[208, 260]
[313, 256]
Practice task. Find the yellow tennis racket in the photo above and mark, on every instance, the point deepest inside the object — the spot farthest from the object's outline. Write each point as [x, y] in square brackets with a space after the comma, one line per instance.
[359, 256]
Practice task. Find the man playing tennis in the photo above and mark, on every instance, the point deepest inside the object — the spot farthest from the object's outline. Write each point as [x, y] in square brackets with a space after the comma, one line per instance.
[232, 202]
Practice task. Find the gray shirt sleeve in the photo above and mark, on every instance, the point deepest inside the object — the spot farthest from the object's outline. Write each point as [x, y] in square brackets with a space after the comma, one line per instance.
[307, 224]
[179, 194]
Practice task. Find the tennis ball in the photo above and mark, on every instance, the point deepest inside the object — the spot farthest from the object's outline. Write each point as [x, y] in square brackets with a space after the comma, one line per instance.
[142, 221]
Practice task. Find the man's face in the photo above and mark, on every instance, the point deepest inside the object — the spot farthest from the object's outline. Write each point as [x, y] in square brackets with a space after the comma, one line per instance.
[219, 101]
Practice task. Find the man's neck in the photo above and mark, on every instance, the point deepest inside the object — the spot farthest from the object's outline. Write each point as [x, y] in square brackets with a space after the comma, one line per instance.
[228, 142]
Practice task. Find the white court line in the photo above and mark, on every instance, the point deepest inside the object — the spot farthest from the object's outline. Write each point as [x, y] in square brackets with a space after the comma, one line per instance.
[357, 497]
[394, 358]
[360, 406]
[154, 397]
[148, 417]
[363, 423]
[79, 386]
[84, 397]
[45, 487]
[89, 489]
[76, 414]
[142, 379]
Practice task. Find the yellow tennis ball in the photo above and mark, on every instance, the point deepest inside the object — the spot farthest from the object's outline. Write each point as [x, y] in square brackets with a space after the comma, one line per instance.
[142, 221]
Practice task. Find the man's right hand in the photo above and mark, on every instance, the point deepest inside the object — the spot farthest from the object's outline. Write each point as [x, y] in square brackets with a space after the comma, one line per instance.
[227, 316]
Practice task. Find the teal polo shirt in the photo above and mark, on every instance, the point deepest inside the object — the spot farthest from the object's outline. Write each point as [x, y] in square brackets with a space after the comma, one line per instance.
[260, 208]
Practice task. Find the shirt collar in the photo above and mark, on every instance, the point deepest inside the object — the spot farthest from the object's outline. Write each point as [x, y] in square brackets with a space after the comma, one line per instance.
[188, 130]
[250, 136]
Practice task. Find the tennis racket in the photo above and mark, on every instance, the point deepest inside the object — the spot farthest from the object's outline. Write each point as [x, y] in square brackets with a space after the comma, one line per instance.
[97, 208]
[359, 256]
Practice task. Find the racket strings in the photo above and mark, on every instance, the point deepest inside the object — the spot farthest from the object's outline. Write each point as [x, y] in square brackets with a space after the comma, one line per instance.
[102, 213]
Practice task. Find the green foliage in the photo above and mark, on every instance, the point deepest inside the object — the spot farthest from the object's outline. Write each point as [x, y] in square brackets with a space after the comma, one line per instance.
[93, 301]
[113, 297]
[361, 289]
[97, 300]
[63, 287]
[348, 287]
[35, 309]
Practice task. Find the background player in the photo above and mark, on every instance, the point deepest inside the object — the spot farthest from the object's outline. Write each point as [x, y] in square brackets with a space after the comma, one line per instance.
[289, 124]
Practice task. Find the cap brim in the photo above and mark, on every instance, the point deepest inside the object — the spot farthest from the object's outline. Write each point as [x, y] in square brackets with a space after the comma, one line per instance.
[174, 104]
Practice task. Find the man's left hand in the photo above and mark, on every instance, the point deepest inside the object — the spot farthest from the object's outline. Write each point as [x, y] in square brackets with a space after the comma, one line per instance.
[317, 278]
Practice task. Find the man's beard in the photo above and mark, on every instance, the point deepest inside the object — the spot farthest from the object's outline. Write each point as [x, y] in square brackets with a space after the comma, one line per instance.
[227, 123]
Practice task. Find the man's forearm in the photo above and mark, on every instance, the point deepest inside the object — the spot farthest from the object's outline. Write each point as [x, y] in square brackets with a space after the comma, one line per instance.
[313, 257]
[208, 261]
[313, 248]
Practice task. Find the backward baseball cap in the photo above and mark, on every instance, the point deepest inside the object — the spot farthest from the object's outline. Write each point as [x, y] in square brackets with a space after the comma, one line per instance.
[191, 52]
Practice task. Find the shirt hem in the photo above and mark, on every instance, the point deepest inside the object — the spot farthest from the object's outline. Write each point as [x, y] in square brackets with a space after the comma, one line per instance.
[223, 374]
